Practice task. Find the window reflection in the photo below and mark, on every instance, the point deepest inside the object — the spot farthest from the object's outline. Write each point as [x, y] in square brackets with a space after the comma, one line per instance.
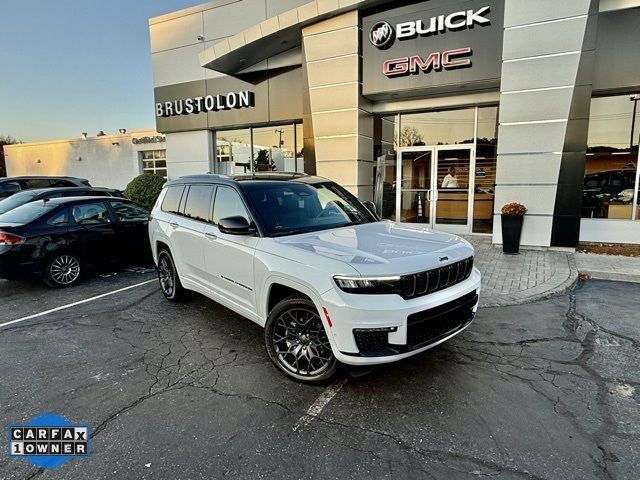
[446, 127]
[485, 172]
[273, 149]
[154, 161]
[233, 152]
[299, 148]
[612, 157]
[276, 148]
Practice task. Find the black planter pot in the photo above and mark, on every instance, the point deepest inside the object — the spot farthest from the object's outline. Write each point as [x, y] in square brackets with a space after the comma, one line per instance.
[511, 231]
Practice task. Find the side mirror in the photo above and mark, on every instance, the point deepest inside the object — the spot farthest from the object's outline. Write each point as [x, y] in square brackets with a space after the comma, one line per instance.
[235, 226]
[370, 206]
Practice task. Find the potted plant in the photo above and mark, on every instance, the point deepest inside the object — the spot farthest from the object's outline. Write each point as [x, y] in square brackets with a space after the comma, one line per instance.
[512, 217]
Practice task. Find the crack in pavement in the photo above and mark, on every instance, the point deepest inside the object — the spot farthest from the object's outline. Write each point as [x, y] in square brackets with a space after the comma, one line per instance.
[177, 356]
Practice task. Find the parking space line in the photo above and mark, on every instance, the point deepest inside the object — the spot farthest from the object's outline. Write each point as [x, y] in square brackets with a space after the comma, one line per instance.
[86, 300]
[318, 406]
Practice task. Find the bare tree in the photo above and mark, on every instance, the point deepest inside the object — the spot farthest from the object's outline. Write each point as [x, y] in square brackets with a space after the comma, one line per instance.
[5, 140]
[410, 136]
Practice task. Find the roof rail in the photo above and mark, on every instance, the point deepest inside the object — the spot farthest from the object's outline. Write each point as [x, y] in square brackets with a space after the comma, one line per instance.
[208, 175]
[257, 174]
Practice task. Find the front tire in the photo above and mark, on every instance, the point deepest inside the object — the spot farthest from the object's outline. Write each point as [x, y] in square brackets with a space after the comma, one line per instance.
[63, 270]
[168, 276]
[297, 341]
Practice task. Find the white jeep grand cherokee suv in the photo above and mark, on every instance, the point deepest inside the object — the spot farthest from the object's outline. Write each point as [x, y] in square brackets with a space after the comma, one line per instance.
[302, 257]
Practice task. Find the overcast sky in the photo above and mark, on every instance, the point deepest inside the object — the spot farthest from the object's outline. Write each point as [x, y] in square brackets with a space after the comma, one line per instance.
[73, 66]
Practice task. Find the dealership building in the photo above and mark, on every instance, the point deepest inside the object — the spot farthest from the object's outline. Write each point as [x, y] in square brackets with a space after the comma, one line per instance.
[440, 111]
[106, 160]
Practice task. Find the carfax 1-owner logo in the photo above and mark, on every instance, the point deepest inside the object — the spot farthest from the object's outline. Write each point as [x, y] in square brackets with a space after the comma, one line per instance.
[49, 440]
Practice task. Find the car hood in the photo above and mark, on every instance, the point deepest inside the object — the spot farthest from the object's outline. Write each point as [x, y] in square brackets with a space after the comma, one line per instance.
[381, 248]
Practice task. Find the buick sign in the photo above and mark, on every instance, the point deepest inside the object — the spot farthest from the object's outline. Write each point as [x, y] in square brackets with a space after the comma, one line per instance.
[382, 35]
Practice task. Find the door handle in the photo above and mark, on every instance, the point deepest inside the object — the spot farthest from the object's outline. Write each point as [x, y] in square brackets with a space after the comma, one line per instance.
[211, 236]
[174, 225]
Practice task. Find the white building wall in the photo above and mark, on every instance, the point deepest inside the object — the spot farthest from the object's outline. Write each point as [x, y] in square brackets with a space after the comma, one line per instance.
[111, 161]
[189, 153]
[178, 37]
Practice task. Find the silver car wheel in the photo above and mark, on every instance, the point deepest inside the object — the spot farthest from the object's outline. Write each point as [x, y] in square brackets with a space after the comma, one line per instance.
[65, 269]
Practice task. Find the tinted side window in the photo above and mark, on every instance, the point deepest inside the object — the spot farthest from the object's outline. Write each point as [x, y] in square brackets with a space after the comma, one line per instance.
[60, 218]
[198, 205]
[38, 183]
[91, 213]
[228, 204]
[54, 195]
[171, 202]
[130, 212]
[9, 188]
[62, 183]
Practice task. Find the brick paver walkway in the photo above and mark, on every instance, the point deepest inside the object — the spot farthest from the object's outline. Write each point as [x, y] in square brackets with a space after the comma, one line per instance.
[516, 279]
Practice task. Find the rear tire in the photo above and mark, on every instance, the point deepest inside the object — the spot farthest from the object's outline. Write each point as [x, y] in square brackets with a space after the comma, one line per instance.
[297, 342]
[170, 284]
[63, 270]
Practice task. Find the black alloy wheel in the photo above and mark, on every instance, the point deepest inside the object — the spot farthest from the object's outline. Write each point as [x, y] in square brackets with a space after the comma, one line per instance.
[168, 276]
[297, 341]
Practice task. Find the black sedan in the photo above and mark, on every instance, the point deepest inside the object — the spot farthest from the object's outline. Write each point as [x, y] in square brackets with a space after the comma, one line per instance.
[27, 196]
[60, 239]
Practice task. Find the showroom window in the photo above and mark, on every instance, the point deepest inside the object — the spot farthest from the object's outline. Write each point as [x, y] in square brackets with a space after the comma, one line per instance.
[154, 161]
[611, 169]
[447, 127]
[476, 171]
[485, 170]
[276, 148]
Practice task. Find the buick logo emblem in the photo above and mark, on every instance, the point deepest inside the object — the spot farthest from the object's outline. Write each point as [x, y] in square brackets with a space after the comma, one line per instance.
[382, 35]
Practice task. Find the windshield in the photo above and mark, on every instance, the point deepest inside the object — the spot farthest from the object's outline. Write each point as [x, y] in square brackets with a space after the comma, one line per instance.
[15, 201]
[26, 213]
[288, 208]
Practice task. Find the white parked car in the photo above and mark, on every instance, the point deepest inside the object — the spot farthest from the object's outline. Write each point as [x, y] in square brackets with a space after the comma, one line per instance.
[302, 257]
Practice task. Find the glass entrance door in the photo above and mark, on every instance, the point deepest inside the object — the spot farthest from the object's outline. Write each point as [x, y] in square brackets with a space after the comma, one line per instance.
[436, 187]
[453, 186]
[416, 192]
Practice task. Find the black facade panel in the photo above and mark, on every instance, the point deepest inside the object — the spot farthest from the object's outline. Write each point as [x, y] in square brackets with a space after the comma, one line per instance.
[568, 200]
[572, 172]
[566, 231]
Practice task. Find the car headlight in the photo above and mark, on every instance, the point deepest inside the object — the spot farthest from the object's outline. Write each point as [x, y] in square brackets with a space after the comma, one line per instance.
[368, 285]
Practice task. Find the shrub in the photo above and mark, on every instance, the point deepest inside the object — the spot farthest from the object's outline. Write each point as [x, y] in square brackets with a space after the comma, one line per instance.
[145, 189]
[514, 209]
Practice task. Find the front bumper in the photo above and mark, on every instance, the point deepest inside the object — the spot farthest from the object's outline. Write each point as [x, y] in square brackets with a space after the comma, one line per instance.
[389, 328]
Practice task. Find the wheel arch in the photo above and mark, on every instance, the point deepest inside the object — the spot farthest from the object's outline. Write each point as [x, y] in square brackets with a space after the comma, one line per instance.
[278, 292]
[278, 288]
[161, 245]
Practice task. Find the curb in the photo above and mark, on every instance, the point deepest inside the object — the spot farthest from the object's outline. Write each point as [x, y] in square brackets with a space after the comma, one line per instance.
[612, 276]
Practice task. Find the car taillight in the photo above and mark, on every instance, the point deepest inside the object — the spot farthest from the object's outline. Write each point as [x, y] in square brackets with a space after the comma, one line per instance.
[10, 239]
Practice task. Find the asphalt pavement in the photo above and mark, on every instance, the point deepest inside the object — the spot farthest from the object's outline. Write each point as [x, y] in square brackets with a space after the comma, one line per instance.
[186, 391]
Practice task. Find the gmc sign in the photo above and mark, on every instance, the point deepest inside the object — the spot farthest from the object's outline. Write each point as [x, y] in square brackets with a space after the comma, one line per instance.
[447, 60]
